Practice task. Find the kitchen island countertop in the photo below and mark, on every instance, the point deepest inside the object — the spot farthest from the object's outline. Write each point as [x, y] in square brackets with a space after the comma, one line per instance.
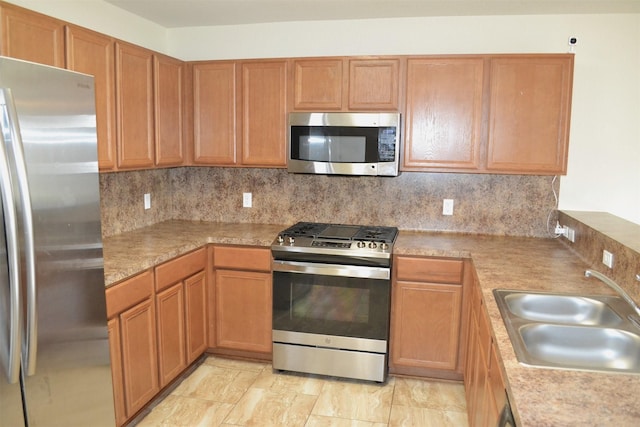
[540, 397]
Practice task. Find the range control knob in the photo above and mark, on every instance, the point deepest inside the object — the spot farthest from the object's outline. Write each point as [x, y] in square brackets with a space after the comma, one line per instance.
[280, 238]
[384, 246]
[373, 245]
[361, 244]
[291, 240]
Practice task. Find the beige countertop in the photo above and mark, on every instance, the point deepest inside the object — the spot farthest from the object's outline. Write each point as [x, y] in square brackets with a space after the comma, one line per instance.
[541, 397]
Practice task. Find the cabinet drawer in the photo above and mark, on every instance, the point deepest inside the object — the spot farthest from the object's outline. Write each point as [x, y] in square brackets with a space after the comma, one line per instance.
[179, 268]
[128, 293]
[242, 257]
[428, 269]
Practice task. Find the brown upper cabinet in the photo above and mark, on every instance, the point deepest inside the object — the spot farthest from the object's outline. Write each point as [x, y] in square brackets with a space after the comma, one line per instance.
[341, 84]
[214, 113]
[93, 53]
[443, 113]
[529, 113]
[168, 79]
[31, 36]
[240, 113]
[263, 106]
[134, 106]
[488, 114]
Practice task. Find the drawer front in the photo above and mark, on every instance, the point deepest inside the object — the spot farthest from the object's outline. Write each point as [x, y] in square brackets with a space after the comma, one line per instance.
[242, 258]
[180, 268]
[128, 293]
[428, 269]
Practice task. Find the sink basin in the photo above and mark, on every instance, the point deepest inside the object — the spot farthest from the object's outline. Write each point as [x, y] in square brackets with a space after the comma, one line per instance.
[578, 332]
[575, 347]
[561, 309]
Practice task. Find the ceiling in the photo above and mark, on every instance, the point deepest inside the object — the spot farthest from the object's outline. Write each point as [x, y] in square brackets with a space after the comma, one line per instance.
[190, 13]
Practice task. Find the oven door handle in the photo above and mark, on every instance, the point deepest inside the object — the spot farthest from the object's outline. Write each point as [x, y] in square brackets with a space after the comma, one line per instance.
[332, 269]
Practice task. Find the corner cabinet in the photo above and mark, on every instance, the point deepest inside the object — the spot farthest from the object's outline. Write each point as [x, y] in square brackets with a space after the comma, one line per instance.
[168, 81]
[214, 113]
[243, 301]
[426, 317]
[341, 84]
[181, 313]
[483, 379]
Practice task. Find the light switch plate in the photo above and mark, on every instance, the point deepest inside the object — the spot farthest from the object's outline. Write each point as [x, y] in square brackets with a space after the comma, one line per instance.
[147, 201]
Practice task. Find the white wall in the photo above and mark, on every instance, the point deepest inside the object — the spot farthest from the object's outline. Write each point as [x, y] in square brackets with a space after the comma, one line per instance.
[604, 155]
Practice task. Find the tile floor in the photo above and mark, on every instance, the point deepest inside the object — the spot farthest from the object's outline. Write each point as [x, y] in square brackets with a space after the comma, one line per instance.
[225, 392]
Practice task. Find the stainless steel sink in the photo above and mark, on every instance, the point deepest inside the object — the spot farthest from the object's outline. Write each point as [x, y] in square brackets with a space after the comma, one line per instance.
[604, 349]
[576, 332]
[561, 309]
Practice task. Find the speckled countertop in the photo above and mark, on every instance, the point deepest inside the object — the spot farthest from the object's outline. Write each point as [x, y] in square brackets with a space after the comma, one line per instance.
[540, 397]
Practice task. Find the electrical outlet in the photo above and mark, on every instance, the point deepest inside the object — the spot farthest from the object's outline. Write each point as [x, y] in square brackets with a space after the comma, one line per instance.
[447, 207]
[607, 258]
[570, 234]
[246, 200]
[147, 201]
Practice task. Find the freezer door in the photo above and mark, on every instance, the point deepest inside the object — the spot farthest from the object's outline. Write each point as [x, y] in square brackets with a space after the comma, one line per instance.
[10, 397]
[69, 381]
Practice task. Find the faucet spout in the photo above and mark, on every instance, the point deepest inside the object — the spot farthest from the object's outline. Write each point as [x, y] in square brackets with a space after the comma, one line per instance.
[613, 285]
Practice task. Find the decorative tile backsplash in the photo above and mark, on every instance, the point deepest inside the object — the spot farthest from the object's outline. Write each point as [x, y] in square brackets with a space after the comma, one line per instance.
[487, 204]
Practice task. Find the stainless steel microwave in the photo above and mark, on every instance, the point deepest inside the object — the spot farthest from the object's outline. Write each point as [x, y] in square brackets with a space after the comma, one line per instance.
[344, 143]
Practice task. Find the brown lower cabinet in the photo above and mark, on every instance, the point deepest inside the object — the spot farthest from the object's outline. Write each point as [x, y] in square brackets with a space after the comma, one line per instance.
[157, 327]
[484, 384]
[131, 313]
[426, 317]
[182, 318]
[243, 300]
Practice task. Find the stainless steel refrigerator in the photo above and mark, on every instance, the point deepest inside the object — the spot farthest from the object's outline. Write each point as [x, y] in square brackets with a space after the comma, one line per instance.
[54, 346]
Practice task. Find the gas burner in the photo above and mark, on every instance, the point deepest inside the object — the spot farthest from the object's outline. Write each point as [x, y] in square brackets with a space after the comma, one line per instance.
[311, 239]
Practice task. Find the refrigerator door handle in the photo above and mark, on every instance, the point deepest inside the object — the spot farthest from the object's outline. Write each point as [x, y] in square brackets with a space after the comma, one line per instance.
[13, 261]
[16, 150]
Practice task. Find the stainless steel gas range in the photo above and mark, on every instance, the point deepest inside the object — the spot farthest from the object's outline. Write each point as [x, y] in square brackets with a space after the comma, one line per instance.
[331, 299]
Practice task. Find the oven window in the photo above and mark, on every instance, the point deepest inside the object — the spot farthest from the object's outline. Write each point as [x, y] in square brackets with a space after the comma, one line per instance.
[331, 305]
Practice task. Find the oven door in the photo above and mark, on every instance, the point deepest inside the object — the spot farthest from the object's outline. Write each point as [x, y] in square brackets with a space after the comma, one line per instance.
[331, 300]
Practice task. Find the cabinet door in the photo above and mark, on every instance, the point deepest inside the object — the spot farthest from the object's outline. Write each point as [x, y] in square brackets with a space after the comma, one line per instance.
[195, 288]
[243, 310]
[31, 36]
[134, 106]
[374, 84]
[214, 113]
[425, 325]
[92, 53]
[529, 114]
[139, 355]
[318, 84]
[264, 113]
[115, 353]
[443, 113]
[168, 96]
[171, 336]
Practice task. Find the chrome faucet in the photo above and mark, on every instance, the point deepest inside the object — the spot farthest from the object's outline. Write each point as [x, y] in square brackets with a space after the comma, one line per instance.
[613, 285]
